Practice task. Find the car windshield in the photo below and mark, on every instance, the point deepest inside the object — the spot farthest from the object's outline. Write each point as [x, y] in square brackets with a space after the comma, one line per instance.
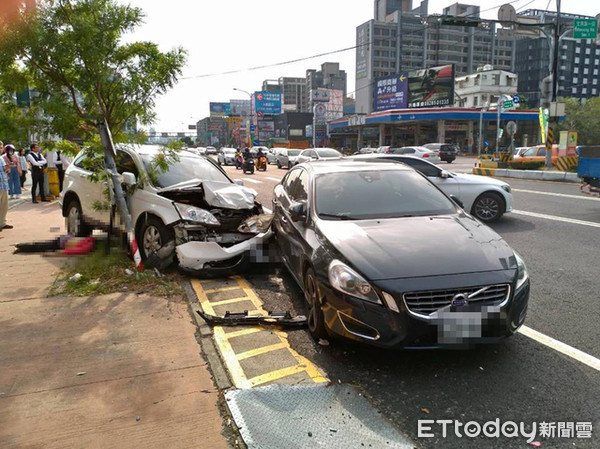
[329, 153]
[293, 152]
[378, 194]
[188, 167]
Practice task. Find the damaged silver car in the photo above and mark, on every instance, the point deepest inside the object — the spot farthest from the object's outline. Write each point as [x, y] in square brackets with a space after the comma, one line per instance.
[192, 212]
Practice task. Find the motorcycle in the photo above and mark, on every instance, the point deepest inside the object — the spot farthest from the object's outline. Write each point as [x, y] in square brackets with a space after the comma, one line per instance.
[261, 163]
[248, 165]
[238, 162]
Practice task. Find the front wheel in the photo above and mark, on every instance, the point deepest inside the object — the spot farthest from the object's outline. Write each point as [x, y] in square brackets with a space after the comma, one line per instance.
[488, 207]
[75, 224]
[315, 319]
[153, 235]
[278, 164]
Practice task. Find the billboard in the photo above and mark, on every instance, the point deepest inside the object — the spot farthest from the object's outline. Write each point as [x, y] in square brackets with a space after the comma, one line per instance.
[219, 109]
[391, 92]
[362, 51]
[319, 95]
[267, 103]
[429, 87]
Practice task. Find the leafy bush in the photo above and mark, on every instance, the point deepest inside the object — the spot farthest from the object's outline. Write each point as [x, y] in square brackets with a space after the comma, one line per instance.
[526, 165]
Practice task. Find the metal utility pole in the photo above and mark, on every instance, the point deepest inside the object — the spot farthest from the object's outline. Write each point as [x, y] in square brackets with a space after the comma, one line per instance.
[115, 187]
[485, 107]
[553, 119]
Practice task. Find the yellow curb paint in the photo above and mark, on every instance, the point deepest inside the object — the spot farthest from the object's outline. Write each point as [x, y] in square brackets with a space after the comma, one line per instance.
[232, 360]
[221, 289]
[259, 351]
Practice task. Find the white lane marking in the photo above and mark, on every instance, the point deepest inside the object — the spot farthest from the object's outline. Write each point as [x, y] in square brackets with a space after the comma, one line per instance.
[273, 179]
[563, 195]
[253, 181]
[561, 347]
[555, 218]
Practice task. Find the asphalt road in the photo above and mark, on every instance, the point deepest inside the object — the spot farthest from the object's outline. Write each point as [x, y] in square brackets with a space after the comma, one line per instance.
[557, 231]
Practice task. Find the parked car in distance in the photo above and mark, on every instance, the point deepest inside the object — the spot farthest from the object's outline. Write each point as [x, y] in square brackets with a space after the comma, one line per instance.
[383, 149]
[366, 150]
[370, 245]
[446, 151]
[198, 150]
[210, 150]
[537, 153]
[518, 151]
[287, 157]
[226, 156]
[272, 154]
[315, 154]
[422, 152]
[192, 210]
[483, 197]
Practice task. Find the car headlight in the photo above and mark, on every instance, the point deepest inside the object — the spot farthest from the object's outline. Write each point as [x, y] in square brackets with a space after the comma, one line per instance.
[346, 280]
[522, 273]
[196, 215]
[506, 188]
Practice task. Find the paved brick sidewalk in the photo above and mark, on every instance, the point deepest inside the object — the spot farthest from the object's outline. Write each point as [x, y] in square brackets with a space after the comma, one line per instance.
[119, 370]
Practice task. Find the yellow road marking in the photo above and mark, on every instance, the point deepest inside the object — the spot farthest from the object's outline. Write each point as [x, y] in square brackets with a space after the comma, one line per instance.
[232, 360]
[243, 332]
[259, 351]
[274, 375]
[221, 289]
[228, 301]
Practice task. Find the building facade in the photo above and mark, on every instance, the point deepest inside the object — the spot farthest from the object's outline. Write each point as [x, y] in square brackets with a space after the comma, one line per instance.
[483, 88]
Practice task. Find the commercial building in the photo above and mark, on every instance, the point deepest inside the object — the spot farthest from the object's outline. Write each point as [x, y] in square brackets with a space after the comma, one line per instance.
[578, 60]
[212, 131]
[240, 108]
[482, 88]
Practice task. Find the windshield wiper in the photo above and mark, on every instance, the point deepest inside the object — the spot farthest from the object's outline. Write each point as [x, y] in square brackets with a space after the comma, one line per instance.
[338, 216]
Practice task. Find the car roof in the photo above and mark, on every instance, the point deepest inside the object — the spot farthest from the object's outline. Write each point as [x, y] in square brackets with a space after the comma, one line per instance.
[342, 166]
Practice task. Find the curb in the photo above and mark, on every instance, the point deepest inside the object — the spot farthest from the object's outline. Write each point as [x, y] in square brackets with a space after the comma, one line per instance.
[555, 176]
[205, 339]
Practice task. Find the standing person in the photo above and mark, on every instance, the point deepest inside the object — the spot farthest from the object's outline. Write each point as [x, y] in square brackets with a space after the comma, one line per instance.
[24, 167]
[14, 177]
[4, 170]
[38, 162]
[61, 162]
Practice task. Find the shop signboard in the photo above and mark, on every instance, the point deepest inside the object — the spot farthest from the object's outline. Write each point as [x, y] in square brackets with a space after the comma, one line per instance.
[391, 92]
[431, 87]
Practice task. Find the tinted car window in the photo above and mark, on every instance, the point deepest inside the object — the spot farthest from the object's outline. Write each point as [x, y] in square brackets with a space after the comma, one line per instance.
[293, 152]
[421, 166]
[126, 163]
[378, 194]
[407, 150]
[298, 187]
[530, 152]
[290, 180]
[541, 152]
[186, 168]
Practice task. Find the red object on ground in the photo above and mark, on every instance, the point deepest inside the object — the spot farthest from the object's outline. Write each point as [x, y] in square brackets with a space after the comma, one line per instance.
[83, 247]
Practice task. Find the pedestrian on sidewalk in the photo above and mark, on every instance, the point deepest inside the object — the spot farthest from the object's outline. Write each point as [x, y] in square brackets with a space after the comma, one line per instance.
[38, 163]
[61, 165]
[14, 176]
[4, 170]
[24, 167]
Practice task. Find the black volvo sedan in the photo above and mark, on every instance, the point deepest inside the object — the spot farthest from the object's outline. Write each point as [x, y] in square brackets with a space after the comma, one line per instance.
[384, 257]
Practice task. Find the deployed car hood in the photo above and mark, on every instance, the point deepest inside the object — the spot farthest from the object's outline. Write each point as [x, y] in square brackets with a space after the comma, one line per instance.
[409, 247]
[216, 193]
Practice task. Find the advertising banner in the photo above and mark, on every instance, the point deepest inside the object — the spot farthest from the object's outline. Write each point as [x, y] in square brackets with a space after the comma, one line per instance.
[391, 92]
[319, 95]
[362, 55]
[431, 87]
[267, 103]
[219, 109]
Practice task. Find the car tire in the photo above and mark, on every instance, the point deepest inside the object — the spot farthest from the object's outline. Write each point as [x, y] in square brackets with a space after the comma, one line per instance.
[488, 207]
[450, 161]
[153, 235]
[314, 318]
[74, 220]
[279, 165]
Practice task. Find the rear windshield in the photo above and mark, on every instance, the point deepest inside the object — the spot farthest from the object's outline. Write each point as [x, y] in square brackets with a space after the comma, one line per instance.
[378, 194]
[294, 152]
[329, 153]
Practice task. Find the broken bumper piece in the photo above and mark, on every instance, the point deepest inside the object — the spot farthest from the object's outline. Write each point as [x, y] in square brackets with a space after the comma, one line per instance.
[210, 258]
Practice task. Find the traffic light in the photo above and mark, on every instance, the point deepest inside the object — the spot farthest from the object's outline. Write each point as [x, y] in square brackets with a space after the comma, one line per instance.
[546, 90]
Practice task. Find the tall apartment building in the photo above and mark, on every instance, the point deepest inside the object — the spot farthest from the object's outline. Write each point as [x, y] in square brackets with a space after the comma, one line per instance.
[401, 38]
[294, 93]
[578, 61]
[329, 77]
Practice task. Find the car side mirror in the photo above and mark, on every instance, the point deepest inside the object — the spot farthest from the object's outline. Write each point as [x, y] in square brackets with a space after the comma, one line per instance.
[444, 174]
[128, 178]
[298, 211]
[239, 182]
[457, 201]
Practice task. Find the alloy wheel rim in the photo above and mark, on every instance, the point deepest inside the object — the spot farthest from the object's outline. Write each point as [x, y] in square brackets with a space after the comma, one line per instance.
[73, 221]
[311, 300]
[487, 208]
[152, 240]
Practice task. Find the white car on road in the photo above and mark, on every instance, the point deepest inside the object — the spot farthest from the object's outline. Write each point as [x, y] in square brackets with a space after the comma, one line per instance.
[193, 210]
[417, 151]
[317, 154]
[483, 197]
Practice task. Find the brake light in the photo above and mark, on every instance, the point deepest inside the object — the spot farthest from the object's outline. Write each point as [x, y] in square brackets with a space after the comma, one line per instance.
[425, 155]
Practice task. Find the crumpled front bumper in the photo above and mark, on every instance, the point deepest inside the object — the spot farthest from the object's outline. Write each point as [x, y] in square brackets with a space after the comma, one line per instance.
[211, 258]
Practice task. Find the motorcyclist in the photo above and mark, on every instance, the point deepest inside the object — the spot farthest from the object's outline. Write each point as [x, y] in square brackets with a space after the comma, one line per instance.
[247, 153]
[260, 153]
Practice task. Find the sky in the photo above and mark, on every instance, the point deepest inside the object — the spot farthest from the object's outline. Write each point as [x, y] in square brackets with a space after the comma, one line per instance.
[230, 35]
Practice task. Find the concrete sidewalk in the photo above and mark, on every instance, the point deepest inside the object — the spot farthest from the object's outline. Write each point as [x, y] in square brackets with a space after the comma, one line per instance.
[121, 370]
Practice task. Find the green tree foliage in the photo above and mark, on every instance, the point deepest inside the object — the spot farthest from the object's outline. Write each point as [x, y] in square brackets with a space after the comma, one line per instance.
[583, 117]
[187, 141]
[73, 53]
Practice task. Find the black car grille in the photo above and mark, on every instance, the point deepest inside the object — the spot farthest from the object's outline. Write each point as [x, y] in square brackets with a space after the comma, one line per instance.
[427, 302]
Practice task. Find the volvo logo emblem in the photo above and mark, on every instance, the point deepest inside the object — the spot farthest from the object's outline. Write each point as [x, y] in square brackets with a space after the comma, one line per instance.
[460, 300]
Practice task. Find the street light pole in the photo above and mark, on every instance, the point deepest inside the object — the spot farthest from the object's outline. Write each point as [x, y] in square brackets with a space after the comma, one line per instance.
[499, 107]
[485, 106]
